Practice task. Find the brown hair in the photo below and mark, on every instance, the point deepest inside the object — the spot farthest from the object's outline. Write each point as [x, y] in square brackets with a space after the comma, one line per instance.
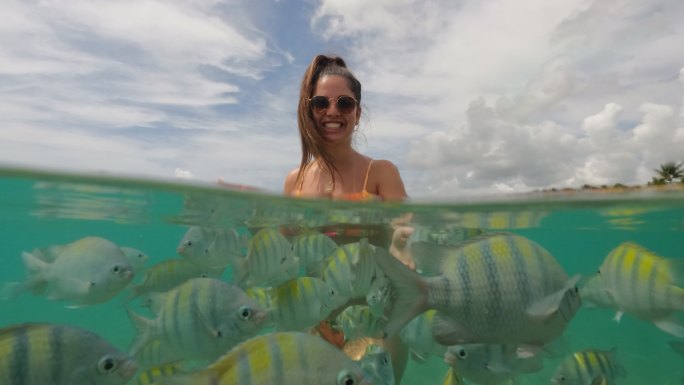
[313, 145]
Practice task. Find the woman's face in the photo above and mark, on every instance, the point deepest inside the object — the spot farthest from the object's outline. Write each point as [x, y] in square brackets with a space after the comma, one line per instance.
[333, 124]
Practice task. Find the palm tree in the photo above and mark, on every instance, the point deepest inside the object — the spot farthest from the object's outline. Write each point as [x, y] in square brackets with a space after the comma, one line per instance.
[670, 171]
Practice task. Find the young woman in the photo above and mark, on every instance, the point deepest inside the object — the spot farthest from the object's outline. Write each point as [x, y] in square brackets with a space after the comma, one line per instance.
[328, 117]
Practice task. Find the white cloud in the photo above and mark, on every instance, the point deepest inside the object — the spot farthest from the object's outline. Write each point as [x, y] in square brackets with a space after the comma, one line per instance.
[513, 95]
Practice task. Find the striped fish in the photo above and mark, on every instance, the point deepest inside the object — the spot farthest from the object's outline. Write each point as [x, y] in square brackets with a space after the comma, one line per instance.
[168, 274]
[287, 358]
[498, 288]
[311, 249]
[417, 335]
[149, 376]
[210, 247]
[491, 364]
[377, 362]
[269, 260]
[200, 319]
[352, 270]
[638, 282]
[358, 321]
[588, 366]
[50, 354]
[301, 303]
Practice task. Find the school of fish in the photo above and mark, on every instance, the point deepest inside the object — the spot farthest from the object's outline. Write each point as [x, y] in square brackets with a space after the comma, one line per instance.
[258, 305]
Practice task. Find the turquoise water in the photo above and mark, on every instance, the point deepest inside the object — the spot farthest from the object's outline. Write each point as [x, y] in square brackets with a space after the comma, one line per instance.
[42, 209]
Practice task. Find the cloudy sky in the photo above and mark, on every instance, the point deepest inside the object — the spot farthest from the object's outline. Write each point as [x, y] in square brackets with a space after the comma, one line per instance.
[466, 97]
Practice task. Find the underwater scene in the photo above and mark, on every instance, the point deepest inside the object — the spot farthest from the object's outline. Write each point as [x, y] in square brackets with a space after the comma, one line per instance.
[110, 280]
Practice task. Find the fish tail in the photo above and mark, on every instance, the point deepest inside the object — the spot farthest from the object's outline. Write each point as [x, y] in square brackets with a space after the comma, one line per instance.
[11, 290]
[411, 292]
[35, 281]
[143, 327]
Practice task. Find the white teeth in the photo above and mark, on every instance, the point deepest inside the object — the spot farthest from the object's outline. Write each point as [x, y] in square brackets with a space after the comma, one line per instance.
[333, 125]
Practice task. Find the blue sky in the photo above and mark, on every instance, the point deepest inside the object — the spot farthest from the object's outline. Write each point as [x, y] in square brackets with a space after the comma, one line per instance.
[467, 97]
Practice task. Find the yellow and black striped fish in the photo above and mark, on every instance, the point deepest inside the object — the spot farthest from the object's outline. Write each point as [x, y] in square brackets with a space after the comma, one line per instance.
[288, 358]
[498, 288]
[50, 354]
[643, 284]
[588, 366]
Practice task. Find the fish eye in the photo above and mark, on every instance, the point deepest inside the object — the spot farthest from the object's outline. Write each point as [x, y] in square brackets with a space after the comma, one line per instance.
[561, 379]
[461, 353]
[106, 365]
[116, 269]
[141, 256]
[245, 312]
[188, 243]
[204, 275]
[345, 378]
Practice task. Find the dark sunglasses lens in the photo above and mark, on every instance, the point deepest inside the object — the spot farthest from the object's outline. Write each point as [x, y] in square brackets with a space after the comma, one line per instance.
[346, 104]
[319, 103]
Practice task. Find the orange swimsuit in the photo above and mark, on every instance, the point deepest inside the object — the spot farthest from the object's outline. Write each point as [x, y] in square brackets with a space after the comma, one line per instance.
[362, 195]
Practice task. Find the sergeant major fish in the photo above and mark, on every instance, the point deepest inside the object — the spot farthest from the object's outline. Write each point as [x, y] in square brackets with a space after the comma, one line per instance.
[88, 271]
[639, 282]
[288, 358]
[269, 260]
[210, 247]
[51, 354]
[491, 364]
[588, 367]
[312, 248]
[302, 302]
[200, 319]
[499, 288]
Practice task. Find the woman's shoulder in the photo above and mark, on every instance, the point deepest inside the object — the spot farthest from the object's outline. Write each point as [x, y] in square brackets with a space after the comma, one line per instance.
[383, 165]
[290, 181]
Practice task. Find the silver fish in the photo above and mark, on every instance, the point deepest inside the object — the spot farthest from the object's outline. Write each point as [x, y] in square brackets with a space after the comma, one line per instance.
[88, 271]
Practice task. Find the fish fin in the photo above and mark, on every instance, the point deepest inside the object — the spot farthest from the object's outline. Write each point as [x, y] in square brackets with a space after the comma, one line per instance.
[33, 264]
[448, 332]
[677, 295]
[429, 257]
[498, 368]
[670, 325]
[530, 364]
[11, 290]
[544, 309]
[410, 288]
[618, 315]
[35, 274]
[418, 357]
[599, 380]
[144, 328]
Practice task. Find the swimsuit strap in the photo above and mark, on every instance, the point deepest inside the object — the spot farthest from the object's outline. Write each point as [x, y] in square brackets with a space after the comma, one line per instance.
[365, 182]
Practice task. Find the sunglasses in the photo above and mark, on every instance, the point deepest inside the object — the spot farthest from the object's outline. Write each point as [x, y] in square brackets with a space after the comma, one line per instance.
[345, 104]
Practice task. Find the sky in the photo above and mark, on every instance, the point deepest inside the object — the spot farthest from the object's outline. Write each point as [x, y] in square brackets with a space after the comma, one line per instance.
[466, 97]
